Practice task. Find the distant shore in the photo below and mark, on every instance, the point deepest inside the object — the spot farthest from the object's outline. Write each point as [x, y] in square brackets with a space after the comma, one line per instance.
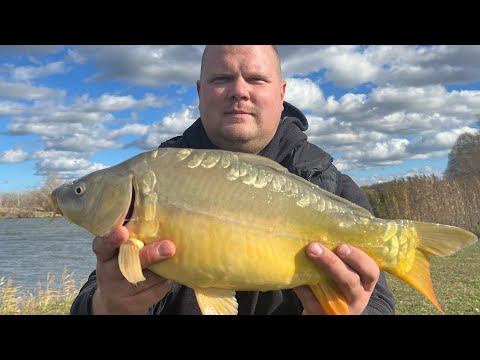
[24, 213]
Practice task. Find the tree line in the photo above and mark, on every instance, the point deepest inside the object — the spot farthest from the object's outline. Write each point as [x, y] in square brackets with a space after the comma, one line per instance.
[24, 203]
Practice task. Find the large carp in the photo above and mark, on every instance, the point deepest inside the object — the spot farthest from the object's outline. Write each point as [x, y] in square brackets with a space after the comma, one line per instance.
[241, 222]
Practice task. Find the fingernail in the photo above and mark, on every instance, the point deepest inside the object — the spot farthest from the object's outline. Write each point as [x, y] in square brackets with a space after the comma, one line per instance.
[315, 249]
[165, 249]
[343, 250]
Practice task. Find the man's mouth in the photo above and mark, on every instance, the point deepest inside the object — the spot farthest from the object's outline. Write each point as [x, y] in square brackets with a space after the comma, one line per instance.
[237, 112]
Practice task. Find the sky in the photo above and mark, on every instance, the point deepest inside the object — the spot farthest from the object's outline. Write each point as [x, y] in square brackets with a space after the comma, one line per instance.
[383, 112]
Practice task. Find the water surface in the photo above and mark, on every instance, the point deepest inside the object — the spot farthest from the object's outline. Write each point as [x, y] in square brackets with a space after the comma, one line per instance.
[31, 248]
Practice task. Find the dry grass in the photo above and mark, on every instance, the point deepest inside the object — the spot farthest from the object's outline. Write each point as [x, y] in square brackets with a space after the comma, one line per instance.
[47, 299]
[430, 199]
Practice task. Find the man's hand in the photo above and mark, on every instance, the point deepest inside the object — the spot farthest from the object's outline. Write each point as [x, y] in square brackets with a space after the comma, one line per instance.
[114, 294]
[354, 272]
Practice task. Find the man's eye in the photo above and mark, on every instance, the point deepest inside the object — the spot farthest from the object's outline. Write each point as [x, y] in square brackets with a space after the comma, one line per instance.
[220, 79]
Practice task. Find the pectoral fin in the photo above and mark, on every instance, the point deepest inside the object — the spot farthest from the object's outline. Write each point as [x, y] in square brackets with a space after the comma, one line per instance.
[129, 260]
[216, 301]
[330, 297]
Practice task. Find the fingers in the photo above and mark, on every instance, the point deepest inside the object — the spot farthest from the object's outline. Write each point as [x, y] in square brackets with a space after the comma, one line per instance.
[362, 264]
[106, 247]
[350, 268]
[336, 269]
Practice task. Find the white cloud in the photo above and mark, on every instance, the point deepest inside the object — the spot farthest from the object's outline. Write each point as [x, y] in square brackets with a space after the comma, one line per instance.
[348, 68]
[30, 49]
[393, 65]
[131, 129]
[66, 164]
[382, 153]
[368, 129]
[74, 56]
[147, 65]
[11, 108]
[13, 156]
[28, 92]
[440, 141]
[115, 103]
[304, 93]
[345, 65]
[88, 125]
[28, 73]
[172, 125]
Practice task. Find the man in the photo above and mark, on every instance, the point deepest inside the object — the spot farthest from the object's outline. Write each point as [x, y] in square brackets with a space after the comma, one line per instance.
[241, 101]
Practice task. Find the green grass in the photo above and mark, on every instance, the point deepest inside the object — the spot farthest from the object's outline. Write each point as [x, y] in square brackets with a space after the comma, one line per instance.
[456, 281]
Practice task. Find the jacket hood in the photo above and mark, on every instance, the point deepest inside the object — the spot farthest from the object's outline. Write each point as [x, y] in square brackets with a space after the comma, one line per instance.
[291, 111]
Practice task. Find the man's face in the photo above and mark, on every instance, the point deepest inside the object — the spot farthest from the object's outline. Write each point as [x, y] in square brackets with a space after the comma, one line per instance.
[241, 96]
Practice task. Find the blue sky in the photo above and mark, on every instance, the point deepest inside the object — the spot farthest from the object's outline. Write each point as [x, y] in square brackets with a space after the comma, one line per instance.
[383, 112]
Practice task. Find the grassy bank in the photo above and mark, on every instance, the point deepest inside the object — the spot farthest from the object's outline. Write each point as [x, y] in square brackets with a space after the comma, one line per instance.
[456, 281]
[47, 299]
[7, 213]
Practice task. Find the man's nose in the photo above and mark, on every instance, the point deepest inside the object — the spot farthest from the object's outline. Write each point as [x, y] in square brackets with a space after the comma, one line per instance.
[239, 89]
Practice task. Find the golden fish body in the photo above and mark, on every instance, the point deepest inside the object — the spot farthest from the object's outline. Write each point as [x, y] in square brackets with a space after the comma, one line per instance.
[241, 222]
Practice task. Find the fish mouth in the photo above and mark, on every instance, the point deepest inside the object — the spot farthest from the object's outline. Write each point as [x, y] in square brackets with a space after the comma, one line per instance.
[52, 200]
[128, 217]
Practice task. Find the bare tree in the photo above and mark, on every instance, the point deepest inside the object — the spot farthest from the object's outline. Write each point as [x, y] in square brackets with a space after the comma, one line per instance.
[464, 158]
[51, 182]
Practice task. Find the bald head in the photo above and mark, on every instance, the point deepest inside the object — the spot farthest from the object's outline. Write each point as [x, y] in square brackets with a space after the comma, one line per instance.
[275, 52]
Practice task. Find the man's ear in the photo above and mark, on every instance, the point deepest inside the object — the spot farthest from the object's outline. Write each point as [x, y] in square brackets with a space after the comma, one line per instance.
[198, 88]
[283, 89]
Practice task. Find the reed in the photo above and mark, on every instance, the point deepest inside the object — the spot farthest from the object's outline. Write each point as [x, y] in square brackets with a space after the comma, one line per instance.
[47, 299]
[430, 199]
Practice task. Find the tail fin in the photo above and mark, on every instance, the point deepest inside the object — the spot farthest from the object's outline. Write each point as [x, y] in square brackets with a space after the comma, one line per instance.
[434, 240]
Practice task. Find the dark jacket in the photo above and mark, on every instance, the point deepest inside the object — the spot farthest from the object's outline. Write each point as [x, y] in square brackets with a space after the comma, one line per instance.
[290, 148]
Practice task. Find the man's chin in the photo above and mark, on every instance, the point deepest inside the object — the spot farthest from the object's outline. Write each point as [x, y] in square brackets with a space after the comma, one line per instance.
[241, 142]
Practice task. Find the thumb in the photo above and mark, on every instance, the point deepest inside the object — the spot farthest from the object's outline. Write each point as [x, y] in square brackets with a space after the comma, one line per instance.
[156, 252]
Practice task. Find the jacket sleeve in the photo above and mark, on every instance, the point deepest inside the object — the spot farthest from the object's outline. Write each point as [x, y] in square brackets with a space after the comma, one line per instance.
[381, 301]
[82, 303]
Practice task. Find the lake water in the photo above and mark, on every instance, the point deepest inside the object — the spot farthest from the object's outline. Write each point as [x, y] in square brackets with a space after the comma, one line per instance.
[32, 248]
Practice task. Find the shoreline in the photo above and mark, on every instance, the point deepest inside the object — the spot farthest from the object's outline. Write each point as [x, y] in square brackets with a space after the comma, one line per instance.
[23, 213]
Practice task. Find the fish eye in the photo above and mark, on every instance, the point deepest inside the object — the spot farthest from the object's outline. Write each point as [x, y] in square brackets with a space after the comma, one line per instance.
[79, 189]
